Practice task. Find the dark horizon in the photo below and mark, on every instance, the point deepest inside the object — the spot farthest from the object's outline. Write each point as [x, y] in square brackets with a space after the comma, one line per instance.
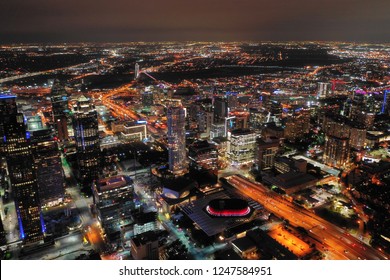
[101, 21]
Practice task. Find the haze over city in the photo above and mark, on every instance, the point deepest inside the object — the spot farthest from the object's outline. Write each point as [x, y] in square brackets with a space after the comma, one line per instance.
[183, 20]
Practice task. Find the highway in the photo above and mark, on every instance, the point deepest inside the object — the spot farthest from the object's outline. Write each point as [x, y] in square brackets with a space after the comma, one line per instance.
[336, 242]
[121, 110]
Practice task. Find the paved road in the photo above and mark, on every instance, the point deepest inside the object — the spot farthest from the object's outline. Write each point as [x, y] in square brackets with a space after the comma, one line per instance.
[336, 241]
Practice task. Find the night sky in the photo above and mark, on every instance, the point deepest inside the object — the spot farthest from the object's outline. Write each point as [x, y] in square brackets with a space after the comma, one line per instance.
[23, 21]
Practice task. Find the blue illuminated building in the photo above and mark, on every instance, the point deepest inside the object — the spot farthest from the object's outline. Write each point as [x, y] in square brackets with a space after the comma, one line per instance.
[18, 153]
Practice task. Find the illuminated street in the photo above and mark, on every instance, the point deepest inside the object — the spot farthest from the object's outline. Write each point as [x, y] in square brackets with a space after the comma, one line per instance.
[338, 241]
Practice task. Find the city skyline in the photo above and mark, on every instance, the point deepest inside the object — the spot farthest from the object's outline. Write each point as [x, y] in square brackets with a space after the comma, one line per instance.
[175, 20]
[195, 151]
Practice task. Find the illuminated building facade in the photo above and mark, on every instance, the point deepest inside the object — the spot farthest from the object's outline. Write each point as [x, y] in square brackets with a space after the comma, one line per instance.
[323, 90]
[48, 167]
[228, 208]
[242, 146]
[86, 134]
[266, 152]
[217, 130]
[358, 138]
[203, 155]
[297, 124]
[134, 132]
[18, 154]
[178, 163]
[220, 109]
[257, 118]
[60, 108]
[113, 198]
[336, 152]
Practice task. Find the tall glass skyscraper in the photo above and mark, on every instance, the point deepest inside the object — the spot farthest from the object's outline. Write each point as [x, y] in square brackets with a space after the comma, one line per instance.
[176, 115]
[86, 133]
[18, 153]
[60, 108]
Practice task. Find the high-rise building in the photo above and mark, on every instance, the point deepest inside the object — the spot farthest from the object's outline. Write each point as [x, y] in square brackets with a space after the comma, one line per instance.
[220, 109]
[266, 152]
[385, 108]
[257, 118]
[48, 167]
[144, 222]
[323, 90]
[336, 152]
[176, 117]
[136, 71]
[232, 100]
[113, 198]
[86, 134]
[145, 246]
[358, 137]
[297, 125]
[204, 120]
[203, 155]
[242, 146]
[60, 109]
[133, 132]
[18, 154]
[217, 130]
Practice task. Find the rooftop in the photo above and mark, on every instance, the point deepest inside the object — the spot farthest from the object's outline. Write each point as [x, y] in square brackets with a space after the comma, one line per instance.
[110, 183]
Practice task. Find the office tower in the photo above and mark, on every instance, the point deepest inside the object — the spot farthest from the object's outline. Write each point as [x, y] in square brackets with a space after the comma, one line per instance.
[336, 152]
[358, 137]
[266, 152]
[18, 154]
[48, 166]
[203, 155]
[385, 108]
[323, 90]
[220, 109]
[144, 222]
[145, 246]
[232, 100]
[204, 120]
[86, 134]
[60, 109]
[217, 130]
[336, 125]
[136, 71]
[113, 198]
[133, 132]
[297, 125]
[237, 120]
[242, 146]
[176, 117]
[258, 118]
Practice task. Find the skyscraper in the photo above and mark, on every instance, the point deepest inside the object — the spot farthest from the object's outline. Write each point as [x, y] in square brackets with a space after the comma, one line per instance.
[136, 71]
[242, 146]
[86, 133]
[266, 151]
[113, 199]
[47, 162]
[59, 103]
[220, 109]
[20, 166]
[336, 152]
[323, 90]
[178, 163]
